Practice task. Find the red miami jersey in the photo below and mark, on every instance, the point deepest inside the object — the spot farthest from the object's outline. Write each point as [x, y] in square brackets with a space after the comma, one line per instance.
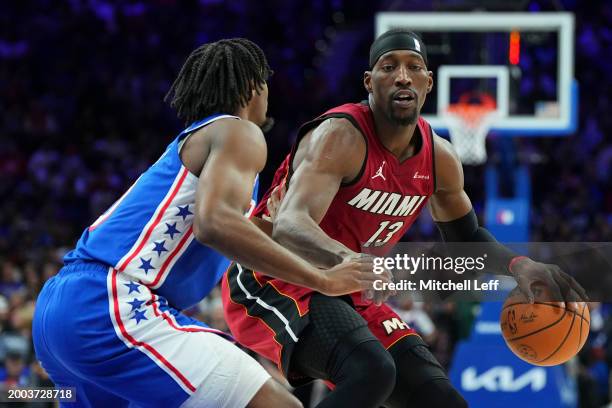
[369, 215]
[373, 212]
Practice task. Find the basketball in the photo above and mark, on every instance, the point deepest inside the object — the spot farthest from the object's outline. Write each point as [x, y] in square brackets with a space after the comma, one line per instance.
[544, 333]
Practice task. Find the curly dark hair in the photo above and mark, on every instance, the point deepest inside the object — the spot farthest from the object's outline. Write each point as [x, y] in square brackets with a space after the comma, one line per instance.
[218, 78]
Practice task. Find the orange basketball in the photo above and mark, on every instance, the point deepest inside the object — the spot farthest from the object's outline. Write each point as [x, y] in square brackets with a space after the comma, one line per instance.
[544, 333]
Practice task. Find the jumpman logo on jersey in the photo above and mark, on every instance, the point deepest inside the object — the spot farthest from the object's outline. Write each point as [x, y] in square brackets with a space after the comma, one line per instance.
[379, 172]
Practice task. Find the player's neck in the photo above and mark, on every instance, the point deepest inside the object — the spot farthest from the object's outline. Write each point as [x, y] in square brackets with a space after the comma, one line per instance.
[397, 139]
[242, 113]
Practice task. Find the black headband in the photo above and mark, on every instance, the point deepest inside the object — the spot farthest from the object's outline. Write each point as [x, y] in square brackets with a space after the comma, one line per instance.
[396, 39]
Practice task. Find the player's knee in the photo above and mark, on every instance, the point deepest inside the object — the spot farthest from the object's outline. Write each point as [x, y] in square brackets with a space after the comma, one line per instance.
[383, 373]
[273, 395]
[370, 367]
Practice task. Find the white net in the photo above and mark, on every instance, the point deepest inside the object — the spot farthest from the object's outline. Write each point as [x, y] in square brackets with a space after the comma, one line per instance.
[468, 127]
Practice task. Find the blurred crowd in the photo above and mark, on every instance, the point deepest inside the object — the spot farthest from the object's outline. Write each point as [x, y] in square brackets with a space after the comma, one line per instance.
[81, 89]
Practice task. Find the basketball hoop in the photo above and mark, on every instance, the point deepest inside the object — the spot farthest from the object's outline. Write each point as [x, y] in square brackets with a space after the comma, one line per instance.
[469, 124]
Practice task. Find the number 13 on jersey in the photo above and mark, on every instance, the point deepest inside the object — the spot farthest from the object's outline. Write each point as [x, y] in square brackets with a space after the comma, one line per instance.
[384, 233]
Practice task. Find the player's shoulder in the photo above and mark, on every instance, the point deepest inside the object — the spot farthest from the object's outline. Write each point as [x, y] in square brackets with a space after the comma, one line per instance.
[339, 130]
[336, 145]
[237, 129]
[336, 140]
[230, 132]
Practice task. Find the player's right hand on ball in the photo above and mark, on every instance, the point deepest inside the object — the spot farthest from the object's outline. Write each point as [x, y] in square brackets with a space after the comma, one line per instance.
[562, 286]
[355, 274]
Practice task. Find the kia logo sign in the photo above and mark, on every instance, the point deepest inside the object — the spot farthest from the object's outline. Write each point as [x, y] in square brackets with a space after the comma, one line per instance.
[502, 379]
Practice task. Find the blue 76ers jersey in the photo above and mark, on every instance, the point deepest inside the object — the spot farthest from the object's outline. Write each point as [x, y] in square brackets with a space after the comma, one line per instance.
[148, 233]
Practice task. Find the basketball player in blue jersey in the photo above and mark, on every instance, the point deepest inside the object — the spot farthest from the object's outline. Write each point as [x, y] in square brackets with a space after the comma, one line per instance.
[109, 324]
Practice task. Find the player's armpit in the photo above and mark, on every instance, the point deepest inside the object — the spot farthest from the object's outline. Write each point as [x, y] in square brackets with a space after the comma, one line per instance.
[330, 155]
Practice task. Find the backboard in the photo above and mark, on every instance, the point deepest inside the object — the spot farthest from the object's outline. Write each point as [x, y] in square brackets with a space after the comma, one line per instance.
[524, 60]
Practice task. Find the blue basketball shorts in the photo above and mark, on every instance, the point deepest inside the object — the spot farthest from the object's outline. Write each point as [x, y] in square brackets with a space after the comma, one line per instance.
[120, 344]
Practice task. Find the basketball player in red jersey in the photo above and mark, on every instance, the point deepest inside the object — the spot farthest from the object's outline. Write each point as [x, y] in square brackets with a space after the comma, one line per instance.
[358, 176]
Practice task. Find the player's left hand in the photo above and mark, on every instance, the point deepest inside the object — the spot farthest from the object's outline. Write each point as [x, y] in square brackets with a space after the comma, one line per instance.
[274, 201]
[527, 272]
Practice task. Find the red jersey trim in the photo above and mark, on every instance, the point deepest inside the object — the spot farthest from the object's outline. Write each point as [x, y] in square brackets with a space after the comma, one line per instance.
[433, 159]
[332, 113]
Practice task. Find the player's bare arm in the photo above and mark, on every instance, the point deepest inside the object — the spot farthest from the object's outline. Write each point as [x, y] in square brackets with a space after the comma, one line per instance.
[235, 151]
[452, 211]
[326, 157]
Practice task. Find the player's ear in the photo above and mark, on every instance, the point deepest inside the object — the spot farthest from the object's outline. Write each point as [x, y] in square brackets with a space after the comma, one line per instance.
[429, 81]
[367, 81]
[256, 89]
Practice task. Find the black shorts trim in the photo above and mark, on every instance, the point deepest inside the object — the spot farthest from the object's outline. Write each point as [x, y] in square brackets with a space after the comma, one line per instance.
[279, 312]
